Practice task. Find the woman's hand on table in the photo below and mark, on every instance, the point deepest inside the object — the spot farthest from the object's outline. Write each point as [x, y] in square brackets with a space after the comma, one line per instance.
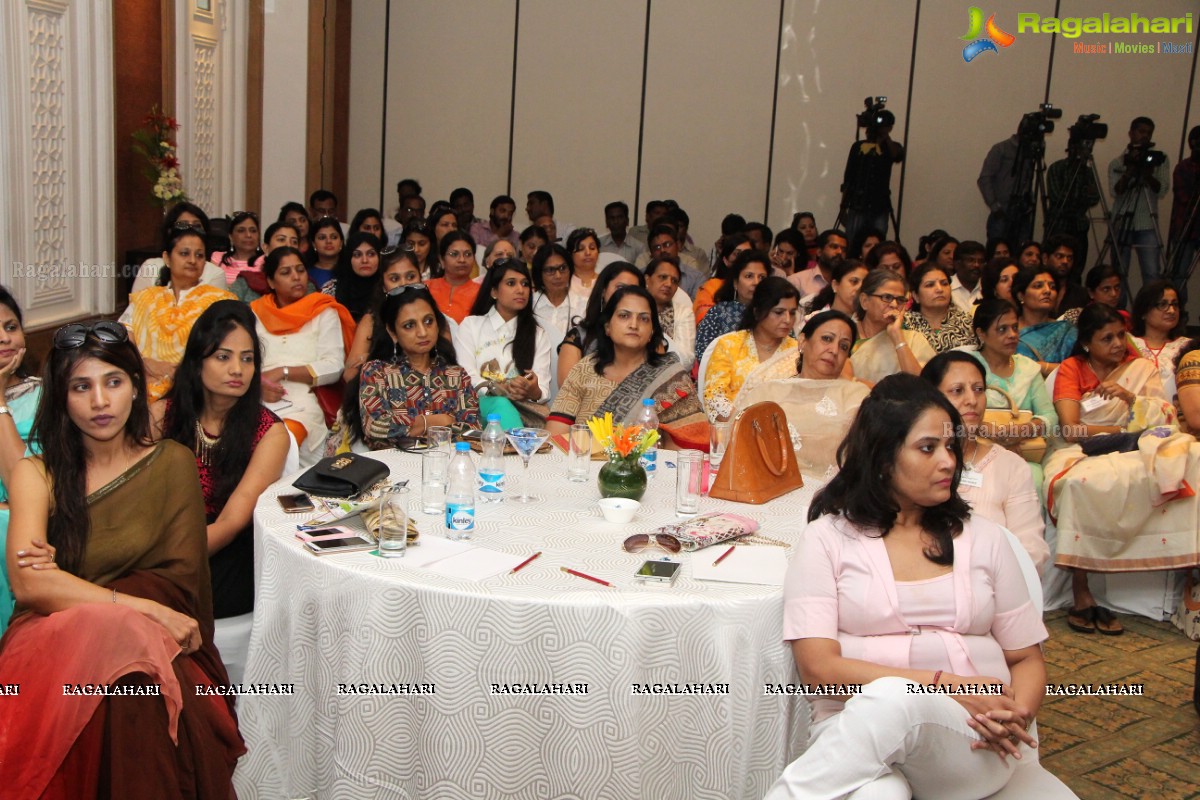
[39, 556]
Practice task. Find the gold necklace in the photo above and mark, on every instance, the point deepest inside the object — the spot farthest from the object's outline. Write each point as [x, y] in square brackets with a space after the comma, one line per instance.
[205, 444]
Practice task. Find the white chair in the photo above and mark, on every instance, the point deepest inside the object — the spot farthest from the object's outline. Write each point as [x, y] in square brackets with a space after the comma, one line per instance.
[291, 464]
[605, 259]
[232, 638]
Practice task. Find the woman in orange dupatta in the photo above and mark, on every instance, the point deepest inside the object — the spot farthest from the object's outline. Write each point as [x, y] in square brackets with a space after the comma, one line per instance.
[112, 640]
[305, 338]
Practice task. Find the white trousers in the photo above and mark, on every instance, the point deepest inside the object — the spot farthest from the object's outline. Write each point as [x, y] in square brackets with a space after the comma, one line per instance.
[890, 744]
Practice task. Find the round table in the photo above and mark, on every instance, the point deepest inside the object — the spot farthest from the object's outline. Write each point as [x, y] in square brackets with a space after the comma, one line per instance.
[356, 618]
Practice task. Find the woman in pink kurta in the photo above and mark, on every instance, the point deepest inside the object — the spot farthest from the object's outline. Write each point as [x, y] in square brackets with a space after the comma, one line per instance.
[904, 602]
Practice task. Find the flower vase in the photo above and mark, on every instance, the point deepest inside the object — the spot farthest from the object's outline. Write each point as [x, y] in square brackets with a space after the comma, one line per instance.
[622, 477]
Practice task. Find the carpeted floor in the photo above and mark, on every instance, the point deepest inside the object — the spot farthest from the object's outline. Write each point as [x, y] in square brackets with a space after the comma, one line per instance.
[1116, 747]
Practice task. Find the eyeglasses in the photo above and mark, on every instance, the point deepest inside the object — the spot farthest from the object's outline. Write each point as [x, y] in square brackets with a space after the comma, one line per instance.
[645, 541]
[404, 247]
[457, 255]
[658, 248]
[398, 290]
[890, 299]
[1167, 305]
[69, 337]
[557, 269]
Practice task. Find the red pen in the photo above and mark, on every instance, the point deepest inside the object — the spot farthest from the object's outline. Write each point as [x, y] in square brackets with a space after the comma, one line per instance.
[586, 577]
[523, 564]
[724, 556]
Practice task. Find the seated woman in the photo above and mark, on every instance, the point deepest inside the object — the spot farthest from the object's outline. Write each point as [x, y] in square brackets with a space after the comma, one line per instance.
[125, 602]
[995, 482]
[532, 239]
[1101, 389]
[325, 254]
[181, 215]
[584, 246]
[750, 267]
[454, 291]
[1187, 381]
[160, 318]
[762, 346]
[1158, 330]
[842, 292]
[997, 278]
[296, 215]
[1013, 376]
[889, 255]
[818, 398]
[885, 347]
[401, 267]
[368, 220]
[356, 278]
[497, 250]
[1104, 285]
[673, 305]
[410, 382]
[244, 247]
[21, 394]
[934, 314]
[305, 338]
[215, 410]
[1044, 339]
[585, 333]
[504, 349]
[418, 235]
[556, 308]
[251, 285]
[891, 524]
[706, 295]
[627, 365]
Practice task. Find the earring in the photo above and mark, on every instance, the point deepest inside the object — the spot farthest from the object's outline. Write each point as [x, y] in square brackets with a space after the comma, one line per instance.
[395, 352]
[1086, 350]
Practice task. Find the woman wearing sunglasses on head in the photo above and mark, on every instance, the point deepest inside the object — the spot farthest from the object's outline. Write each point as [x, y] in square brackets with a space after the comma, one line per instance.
[400, 267]
[884, 347]
[125, 603]
[160, 318]
[181, 215]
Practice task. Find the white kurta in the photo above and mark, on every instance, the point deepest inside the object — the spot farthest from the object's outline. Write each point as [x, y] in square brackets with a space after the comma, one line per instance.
[479, 340]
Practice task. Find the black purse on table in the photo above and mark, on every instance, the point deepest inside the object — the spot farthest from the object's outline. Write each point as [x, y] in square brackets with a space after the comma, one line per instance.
[342, 476]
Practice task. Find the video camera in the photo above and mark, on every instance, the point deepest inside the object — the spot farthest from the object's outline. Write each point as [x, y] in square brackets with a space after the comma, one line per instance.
[1145, 157]
[1087, 130]
[1036, 124]
[874, 116]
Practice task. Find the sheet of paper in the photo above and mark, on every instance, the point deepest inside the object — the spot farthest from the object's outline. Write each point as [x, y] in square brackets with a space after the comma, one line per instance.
[433, 549]
[476, 564]
[762, 565]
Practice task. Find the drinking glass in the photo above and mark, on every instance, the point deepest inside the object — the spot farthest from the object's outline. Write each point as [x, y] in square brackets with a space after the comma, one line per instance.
[579, 453]
[718, 440]
[526, 441]
[434, 467]
[393, 523]
[688, 484]
[440, 438]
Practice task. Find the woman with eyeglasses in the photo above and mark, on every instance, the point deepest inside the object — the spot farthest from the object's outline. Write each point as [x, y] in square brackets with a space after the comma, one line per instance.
[411, 381]
[244, 246]
[160, 318]
[418, 235]
[328, 243]
[750, 267]
[455, 292]
[182, 215]
[1159, 332]
[125, 603]
[628, 363]
[296, 215]
[706, 295]
[933, 314]
[504, 349]
[304, 338]
[581, 339]
[884, 347]
[215, 410]
[400, 267]
[357, 275]
[761, 347]
[584, 246]
[1045, 339]
[553, 303]
[21, 394]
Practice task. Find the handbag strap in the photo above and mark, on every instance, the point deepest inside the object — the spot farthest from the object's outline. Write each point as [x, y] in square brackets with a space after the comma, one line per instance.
[1012, 404]
[762, 446]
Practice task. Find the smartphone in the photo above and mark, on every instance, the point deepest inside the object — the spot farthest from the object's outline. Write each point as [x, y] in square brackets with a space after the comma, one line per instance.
[341, 544]
[658, 572]
[296, 503]
[328, 532]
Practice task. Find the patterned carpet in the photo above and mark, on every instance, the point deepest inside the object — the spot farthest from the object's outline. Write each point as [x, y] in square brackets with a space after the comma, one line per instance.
[1117, 747]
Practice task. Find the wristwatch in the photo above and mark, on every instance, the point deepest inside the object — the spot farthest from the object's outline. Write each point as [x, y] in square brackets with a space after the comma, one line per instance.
[285, 373]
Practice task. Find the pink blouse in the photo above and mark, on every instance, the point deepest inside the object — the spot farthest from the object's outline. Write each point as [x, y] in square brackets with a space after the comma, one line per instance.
[1007, 498]
[840, 586]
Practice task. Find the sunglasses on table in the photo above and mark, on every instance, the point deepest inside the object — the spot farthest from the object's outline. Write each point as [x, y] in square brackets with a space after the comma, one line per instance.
[69, 337]
[647, 541]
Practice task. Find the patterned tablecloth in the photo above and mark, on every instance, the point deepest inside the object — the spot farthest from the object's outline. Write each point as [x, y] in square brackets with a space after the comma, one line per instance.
[356, 618]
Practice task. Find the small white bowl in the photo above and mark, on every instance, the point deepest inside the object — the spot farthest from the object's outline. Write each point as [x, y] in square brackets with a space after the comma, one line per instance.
[619, 509]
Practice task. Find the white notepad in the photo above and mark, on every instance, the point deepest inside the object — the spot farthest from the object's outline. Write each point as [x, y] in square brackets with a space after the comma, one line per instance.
[460, 560]
[762, 565]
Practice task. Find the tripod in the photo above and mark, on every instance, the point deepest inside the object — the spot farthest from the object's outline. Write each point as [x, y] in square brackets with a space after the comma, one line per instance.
[1029, 189]
[1082, 160]
[1179, 272]
[1120, 233]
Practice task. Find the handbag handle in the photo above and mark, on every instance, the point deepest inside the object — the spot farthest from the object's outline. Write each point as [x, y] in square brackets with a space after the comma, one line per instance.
[762, 447]
[1012, 404]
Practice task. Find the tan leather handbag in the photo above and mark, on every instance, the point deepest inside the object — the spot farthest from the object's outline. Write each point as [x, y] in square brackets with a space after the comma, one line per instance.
[1029, 449]
[759, 463]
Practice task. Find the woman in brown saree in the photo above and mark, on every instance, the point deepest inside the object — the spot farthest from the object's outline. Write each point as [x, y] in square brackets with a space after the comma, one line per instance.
[112, 639]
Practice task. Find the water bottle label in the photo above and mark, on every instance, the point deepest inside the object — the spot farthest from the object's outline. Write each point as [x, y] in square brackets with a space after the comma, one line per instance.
[649, 461]
[491, 482]
[460, 517]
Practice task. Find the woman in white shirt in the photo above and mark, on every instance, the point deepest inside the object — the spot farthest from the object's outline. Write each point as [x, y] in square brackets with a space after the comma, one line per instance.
[556, 308]
[501, 345]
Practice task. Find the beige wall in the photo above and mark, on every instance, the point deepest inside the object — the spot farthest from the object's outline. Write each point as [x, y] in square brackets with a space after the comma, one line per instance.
[705, 128]
[285, 110]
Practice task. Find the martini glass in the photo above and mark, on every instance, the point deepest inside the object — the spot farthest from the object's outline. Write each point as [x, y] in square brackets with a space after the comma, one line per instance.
[526, 441]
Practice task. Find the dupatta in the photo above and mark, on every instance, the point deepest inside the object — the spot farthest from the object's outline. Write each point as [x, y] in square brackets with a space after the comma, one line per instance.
[676, 401]
[294, 316]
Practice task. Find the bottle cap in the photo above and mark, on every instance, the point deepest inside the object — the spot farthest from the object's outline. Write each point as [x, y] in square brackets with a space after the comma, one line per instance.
[462, 447]
[493, 417]
[648, 401]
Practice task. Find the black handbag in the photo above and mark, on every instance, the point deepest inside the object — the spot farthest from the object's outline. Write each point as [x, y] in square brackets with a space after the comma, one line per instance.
[342, 476]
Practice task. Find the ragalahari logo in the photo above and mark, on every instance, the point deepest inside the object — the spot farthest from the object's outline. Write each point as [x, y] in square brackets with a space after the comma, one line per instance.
[975, 26]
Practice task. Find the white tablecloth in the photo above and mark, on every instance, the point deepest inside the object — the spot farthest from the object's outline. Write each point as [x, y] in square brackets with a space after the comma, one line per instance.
[357, 618]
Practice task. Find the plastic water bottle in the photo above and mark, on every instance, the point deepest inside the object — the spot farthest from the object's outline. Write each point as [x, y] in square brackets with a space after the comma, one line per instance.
[649, 421]
[460, 494]
[491, 466]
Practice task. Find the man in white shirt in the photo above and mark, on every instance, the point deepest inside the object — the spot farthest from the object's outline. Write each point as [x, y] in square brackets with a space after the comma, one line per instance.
[965, 291]
[831, 251]
[617, 240]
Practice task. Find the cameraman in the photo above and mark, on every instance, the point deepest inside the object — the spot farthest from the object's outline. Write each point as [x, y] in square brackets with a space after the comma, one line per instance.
[867, 182]
[1071, 191]
[1129, 178]
[997, 183]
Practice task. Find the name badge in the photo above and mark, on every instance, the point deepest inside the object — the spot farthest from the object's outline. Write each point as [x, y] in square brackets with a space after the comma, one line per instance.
[1092, 402]
[972, 479]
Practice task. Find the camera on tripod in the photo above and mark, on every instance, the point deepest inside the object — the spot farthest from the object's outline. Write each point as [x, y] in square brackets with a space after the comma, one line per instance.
[1036, 124]
[1145, 157]
[875, 115]
[1087, 130]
